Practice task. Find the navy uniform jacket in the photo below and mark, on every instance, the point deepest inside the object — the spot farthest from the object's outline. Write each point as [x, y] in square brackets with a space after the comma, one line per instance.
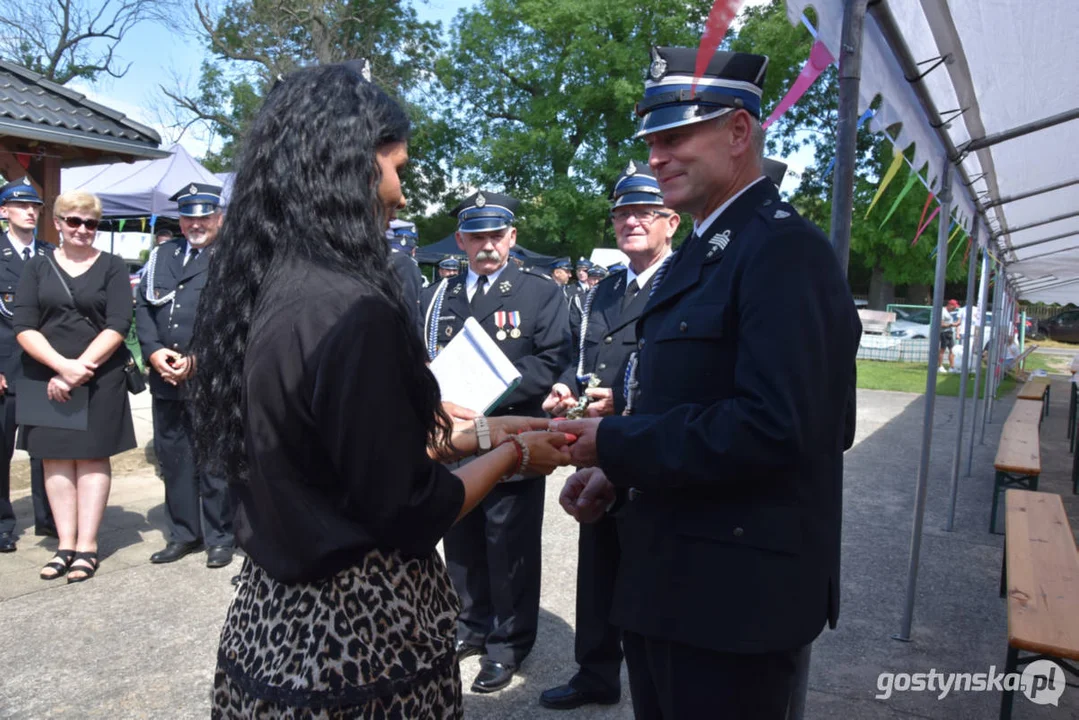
[408, 273]
[735, 445]
[11, 267]
[542, 351]
[610, 336]
[170, 325]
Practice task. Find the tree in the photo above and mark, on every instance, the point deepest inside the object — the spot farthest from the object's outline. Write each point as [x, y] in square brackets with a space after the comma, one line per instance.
[65, 40]
[543, 103]
[253, 42]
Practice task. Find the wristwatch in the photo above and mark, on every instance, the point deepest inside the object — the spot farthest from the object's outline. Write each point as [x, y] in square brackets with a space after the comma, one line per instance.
[483, 434]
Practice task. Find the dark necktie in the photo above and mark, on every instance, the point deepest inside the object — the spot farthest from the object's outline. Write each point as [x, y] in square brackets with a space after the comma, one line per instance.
[481, 284]
[194, 254]
[631, 292]
[26, 254]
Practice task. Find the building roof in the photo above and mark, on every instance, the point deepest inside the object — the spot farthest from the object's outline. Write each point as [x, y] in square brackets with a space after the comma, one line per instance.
[37, 110]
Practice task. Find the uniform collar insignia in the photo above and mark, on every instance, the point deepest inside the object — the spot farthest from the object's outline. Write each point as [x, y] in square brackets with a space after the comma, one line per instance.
[505, 286]
[176, 252]
[718, 243]
[457, 289]
[8, 251]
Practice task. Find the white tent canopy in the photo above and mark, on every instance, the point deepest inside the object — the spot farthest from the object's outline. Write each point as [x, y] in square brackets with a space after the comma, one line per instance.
[1007, 64]
[140, 188]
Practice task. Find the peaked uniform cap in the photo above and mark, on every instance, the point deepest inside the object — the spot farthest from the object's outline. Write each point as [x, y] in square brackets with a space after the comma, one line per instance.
[485, 212]
[636, 185]
[197, 199]
[731, 81]
[20, 191]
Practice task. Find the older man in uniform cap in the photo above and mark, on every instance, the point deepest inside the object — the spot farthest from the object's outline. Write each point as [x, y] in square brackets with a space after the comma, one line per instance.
[644, 229]
[729, 462]
[20, 205]
[493, 553]
[197, 503]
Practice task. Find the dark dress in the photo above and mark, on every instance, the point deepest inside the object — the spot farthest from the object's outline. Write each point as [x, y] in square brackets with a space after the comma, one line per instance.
[102, 296]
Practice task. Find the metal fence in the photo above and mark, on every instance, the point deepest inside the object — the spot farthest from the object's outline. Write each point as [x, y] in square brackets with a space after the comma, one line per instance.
[886, 347]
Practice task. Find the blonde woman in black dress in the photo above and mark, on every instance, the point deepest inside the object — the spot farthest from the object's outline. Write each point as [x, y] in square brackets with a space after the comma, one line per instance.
[72, 340]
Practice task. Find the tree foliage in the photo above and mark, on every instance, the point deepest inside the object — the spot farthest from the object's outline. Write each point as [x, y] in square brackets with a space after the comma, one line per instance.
[65, 40]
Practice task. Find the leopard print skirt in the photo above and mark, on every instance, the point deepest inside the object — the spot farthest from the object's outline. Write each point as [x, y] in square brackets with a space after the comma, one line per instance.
[374, 641]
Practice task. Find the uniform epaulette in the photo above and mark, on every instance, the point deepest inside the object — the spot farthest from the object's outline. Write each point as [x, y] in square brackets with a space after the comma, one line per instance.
[536, 273]
[777, 213]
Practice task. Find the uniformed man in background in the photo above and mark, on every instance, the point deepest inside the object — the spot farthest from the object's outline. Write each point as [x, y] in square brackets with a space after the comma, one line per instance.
[643, 229]
[449, 267]
[493, 553]
[581, 270]
[728, 463]
[402, 243]
[197, 503]
[20, 205]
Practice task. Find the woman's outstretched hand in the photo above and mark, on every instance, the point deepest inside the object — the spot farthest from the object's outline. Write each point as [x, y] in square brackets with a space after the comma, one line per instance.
[546, 450]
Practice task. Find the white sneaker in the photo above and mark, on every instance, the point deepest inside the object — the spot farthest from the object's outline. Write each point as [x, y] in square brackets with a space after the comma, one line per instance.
[941, 369]
[953, 370]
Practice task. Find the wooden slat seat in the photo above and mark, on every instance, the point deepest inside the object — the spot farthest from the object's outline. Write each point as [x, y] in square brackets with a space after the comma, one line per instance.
[1019, 461]
[1036, 389]
[1041, 582]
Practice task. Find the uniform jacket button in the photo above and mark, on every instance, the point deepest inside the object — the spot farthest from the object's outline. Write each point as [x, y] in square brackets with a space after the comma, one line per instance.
[682, 327]
[608, 339]
[601, 366]
[177, 306]
[739, 532]
[181, 287]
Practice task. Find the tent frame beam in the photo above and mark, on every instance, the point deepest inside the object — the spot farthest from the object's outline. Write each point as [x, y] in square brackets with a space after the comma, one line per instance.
[1030, 194]
[1008, 230]
[1005, 135]
[1032, 243]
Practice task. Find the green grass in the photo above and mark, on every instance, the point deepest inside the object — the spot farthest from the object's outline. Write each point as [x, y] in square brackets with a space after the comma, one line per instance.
[1053, 364]
[910, 377]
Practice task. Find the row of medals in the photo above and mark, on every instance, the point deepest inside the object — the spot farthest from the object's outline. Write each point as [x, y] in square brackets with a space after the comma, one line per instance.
[513, 333]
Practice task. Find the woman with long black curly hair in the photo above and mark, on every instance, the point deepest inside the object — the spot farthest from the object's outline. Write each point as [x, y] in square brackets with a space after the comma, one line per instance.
[312, 395]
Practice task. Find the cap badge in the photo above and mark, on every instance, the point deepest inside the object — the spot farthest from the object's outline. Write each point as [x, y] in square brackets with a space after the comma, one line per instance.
[25, 180]
[192, 189]
[659, 66]
[480, 200]
[631, 169]
[365, 73]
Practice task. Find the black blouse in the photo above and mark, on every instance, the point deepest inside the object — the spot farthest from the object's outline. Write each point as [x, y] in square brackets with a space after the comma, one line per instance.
[336, 448]
[102, 294]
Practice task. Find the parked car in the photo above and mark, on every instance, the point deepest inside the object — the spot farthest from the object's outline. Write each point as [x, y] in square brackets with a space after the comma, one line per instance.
[1062, 327]
[911, 323]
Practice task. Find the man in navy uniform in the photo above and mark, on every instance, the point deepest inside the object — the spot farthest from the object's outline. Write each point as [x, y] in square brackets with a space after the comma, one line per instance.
[643, 228]
[449, 267]
[493, 553]
[728, 466]
[20, 205]
[197, 503]
[402, 248]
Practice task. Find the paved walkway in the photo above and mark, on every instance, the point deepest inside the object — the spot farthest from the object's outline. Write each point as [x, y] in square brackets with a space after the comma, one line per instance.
[139, 641]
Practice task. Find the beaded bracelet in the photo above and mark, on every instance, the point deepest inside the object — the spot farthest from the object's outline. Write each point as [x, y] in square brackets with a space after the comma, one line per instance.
[523, 457]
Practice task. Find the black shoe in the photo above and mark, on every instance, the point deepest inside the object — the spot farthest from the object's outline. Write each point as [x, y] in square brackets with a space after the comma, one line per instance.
[218, 556]
[465, 650]
[46, 532]
[493, 676]
[568, 697]
[174, 551]
[7, 542]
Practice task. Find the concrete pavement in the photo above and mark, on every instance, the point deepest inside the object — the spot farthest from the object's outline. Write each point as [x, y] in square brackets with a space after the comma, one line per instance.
[139, 641]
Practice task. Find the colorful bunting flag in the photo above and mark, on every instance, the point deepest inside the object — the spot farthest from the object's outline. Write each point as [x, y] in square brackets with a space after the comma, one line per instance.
[715, 28]
[121, 224]
[897, 161]
[819, 60]
[911, 181]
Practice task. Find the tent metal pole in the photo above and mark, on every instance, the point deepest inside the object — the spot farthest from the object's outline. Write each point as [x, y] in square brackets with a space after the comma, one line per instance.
[979, 341]
[850, 75]
[1046, 221]
[987, 393]
[1030, 193]
[945, 198]
[989, 140]
[967, 346]
[1050, 287]
[1032, 243]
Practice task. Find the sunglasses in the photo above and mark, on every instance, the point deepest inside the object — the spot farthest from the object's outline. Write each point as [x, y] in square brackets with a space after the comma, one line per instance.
[75, 222]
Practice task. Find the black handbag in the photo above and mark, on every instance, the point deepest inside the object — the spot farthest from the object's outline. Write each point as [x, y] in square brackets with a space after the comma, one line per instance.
[132, 375]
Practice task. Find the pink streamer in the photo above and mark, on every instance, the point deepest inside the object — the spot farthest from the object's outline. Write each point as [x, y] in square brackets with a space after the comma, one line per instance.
[819, 60]
[719, 20]
[923, 227]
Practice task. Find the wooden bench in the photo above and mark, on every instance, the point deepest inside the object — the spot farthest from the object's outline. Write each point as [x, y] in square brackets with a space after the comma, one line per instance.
[1037, 389]
[1018, 463]
[1040, 577]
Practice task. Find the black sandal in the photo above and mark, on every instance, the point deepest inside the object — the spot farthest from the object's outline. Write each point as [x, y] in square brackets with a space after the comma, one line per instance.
[91, 558]
[61, 563]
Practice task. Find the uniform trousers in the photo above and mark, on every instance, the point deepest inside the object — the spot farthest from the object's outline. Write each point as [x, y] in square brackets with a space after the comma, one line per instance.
[197, 503]
[597, 643]
[672, 681]
[493, 555]
[43, 519]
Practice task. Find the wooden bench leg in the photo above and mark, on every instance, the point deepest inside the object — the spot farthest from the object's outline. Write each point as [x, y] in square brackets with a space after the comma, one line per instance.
[1008, 696]
[1075, 469]
[1004, 569]
[1002, 481]
[1046, 401]
[1071, 417]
